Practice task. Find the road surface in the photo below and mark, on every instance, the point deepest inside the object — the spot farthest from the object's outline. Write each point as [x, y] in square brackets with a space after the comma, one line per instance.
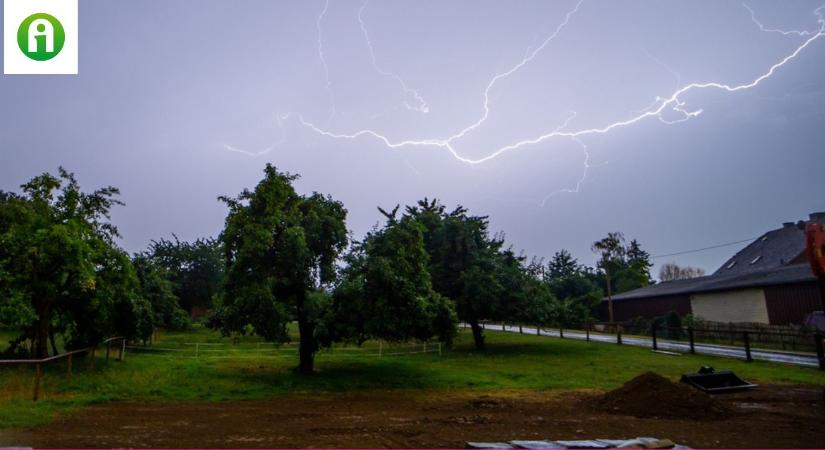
[801, 359]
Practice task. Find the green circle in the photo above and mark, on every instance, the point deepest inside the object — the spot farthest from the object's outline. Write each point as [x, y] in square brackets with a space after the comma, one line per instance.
[41, 37]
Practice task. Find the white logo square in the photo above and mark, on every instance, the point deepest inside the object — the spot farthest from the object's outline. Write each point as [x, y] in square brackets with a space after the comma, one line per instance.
[40, 37]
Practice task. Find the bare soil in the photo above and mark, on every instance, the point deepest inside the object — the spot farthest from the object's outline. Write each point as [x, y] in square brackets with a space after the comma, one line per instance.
[770, 416]
[652, 395]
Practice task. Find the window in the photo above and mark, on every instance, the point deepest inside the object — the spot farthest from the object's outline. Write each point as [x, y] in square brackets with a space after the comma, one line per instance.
[730, 266]
[755, 260]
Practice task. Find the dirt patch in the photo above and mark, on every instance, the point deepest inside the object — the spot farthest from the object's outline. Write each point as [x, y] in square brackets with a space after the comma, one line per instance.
[771, 416]
[652, 395]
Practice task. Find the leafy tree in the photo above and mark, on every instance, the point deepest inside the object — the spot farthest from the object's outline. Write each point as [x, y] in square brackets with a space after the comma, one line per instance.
[194, 268]
[464, 262]
[471, 268]
[61, 270]
[280, 248]
[386, 291]
[574, 286]
[158, 290]
[624, 267]
[611, 253]
[634, 272]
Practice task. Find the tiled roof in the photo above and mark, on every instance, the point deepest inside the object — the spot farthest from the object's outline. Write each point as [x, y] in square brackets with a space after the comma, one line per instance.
[773, 249]
[797, 273]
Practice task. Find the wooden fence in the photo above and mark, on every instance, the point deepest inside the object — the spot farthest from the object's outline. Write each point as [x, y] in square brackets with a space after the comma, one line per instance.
[68, 356]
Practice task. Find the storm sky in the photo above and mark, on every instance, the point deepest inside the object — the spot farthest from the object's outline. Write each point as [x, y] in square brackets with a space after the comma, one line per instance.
[178, 102]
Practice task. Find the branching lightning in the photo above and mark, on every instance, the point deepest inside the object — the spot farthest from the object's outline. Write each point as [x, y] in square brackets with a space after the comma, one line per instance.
[801, 33]
[328, 86]
[420, 104]
[672, 103]
[663, 108]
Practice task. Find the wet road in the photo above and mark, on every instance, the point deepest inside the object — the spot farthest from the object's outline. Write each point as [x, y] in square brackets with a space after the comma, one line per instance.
[801, 359]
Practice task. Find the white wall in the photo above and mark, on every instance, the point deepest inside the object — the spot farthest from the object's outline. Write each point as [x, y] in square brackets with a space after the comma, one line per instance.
[746, 305]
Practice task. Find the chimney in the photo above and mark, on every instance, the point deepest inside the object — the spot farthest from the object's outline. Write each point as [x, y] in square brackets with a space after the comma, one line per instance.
[818, 217]
[788, 225]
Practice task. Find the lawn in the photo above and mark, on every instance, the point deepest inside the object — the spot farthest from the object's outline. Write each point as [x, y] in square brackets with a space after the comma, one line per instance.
[511, 362]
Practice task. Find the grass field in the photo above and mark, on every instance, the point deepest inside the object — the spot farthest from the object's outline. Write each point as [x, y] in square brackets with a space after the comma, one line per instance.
[512, 362]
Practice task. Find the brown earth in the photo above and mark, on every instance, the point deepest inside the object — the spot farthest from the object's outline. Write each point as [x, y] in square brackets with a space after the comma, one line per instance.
[652, 395]
[770, 416]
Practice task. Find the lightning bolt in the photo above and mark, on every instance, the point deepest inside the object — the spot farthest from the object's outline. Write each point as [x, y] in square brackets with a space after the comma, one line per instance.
[801, 33]
[671, 103]
[328, 85]
[421, 104]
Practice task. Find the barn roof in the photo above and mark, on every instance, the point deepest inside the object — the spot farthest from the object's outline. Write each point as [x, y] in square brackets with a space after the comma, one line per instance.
[797, 273]
[776, 248]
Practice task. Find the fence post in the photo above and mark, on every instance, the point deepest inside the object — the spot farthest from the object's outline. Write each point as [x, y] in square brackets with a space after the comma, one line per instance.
[538, 331]
[561, 333]
[69, 369]
[619, 335]
[92, 359]
[820, 352]
[425, 346]
[653, 335]
[122, 349]
[747, 346]
[380, 348]
[197, 349]
[37, 374]
[587, 332]
[692, 341]
[108, 348]
[520, 330]
[439, 349]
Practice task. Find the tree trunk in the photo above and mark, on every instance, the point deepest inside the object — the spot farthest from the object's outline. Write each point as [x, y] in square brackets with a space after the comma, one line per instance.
[307, 345]
[478, 334]
[51, 340]
[41, 336]
[609, 295]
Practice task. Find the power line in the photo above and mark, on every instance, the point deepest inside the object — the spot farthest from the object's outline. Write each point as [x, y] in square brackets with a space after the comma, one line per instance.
[704, 248]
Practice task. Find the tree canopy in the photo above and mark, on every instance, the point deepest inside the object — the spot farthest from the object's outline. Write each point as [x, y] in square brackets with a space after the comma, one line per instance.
[280, 249]
[61, 269]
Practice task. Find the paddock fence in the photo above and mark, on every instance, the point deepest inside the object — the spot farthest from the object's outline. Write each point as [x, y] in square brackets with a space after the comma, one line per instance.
[90, 352]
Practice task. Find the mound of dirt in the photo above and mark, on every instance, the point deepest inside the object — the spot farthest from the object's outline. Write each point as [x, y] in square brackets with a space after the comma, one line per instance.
[652, 395]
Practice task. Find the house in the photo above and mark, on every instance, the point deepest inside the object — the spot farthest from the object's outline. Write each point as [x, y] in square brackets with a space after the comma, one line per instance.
[769, 281]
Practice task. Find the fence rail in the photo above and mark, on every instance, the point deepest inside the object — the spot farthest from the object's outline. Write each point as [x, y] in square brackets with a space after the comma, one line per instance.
[68, 356]
[733, 342]
[203, 350]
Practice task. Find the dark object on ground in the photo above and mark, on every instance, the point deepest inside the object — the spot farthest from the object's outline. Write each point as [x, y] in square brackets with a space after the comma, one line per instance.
[652, 395]
[815, 320]
[711, 381]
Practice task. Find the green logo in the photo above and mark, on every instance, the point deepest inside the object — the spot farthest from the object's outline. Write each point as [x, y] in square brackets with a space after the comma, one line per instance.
[41, 37]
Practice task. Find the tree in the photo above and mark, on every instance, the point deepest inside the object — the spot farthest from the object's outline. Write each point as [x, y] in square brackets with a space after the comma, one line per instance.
[280, 249]
[672, 271]
[464, 262]
[61, 270]
[575, 288]
[634, 270]
[158, 290]
[386, 290]
[611, 252]
[195, 269]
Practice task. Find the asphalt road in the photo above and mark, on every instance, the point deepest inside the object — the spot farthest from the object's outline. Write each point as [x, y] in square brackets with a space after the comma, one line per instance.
[801, 359]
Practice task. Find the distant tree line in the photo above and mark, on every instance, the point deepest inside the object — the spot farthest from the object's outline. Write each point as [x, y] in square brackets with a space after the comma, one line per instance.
[284, 258]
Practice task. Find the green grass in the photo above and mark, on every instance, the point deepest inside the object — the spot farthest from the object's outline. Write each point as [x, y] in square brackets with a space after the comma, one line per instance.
[511, 362]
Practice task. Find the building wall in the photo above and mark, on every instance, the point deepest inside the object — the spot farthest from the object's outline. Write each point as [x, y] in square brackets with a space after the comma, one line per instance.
[789, 304]
[745, 305]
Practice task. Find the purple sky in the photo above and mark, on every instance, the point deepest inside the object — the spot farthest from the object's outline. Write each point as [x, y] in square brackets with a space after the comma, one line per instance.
[178, 102]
